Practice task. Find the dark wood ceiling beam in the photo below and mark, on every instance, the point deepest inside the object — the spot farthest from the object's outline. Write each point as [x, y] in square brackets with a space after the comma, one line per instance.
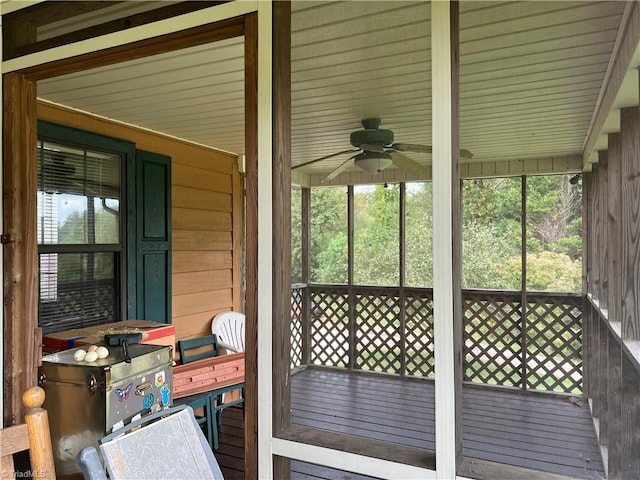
[45, 13]
[222, 30]
[17, 49]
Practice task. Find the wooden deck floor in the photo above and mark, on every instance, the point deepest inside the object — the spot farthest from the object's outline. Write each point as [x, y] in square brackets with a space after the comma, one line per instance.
[536, 432]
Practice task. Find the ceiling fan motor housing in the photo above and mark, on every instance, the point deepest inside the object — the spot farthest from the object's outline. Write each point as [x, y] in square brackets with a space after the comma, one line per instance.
[371, 136]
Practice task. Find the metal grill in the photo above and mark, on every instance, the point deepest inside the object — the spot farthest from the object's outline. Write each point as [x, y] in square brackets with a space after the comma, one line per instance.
[330, 329]
[419, 353]
[492, 338]
[554, 344]
[377, 332]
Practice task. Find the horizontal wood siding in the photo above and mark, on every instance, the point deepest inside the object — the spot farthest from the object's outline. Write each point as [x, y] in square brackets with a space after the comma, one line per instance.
[204, 189]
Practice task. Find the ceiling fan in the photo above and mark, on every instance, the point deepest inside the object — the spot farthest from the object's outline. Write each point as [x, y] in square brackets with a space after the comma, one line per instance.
[375, 150]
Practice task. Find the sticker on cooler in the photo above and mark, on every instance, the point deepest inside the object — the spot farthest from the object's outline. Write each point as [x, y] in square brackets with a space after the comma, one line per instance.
[159, 381]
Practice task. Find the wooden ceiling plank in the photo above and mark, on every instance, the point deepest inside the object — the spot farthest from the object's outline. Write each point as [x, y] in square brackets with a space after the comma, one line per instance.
[545, 19]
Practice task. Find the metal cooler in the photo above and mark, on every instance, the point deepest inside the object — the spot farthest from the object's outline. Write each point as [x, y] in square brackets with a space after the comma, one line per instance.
[84, 400]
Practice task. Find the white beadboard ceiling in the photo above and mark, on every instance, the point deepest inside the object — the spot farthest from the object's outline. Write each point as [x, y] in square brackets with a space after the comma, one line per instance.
[530, 78]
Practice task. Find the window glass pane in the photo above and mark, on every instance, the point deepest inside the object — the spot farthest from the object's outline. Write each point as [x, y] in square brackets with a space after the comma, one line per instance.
[376, 235]
[329, 235]
[78, 196]
[491, 234]
[419, 235]
[77, 290]
[554, 226]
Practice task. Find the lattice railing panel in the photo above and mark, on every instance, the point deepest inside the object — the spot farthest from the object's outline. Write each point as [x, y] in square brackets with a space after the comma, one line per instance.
[296, 326]
[378, 332]
[493, 335]
[554, 344]
[330, 328]
[492, 338]
[419, 356]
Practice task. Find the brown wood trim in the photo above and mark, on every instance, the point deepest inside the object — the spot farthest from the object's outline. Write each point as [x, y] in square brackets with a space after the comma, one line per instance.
[24, 48]
[238, 234]
[417, 457]
[20, 253]
[49, 12]
[251, 312]
[170, 42]
[456, 204]
[306, 270]
[281, 189]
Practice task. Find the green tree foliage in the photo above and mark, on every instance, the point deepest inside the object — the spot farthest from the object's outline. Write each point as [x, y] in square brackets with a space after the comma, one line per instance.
[419, 235]
[75, 230]
[376, 242]
[328, 220]
[491, 234]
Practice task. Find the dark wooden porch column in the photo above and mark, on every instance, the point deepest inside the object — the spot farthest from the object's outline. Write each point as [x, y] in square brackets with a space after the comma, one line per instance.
[20, 243]
[281, 227]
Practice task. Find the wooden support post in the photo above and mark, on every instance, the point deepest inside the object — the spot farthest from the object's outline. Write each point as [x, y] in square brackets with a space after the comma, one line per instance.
[614, 402]
[630, 132]
[614, 227]
[447, 245]
[306, 272]
[351, 300]
[524, 354]
[630, 435]
[37, 420]
[595, 234]
[402, 297]
[20, 249]
[281, 271]
[603, 350]
[603, 206]
[251, 299]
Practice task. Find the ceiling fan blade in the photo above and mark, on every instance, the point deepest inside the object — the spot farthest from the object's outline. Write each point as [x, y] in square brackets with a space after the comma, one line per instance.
[337, 171]
[409, 165]
[412, 147]
[465, 153]
[310, 162]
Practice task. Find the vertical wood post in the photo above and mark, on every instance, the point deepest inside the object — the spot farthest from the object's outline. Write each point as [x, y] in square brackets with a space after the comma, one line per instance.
[614, 402]
[630, 132]
[587, 333]
[523, 286]
[630, 435]
[402, 297]
[306, 275]
[603, 206]
[614, 226]
[281, 227]
[603, 350]
[447, 245]
[251, 295]
[594, 284]
[37, 420]
[351, 301]
[20, 251]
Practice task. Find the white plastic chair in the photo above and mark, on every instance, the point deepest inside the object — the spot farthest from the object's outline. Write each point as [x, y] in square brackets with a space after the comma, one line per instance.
[229, 328]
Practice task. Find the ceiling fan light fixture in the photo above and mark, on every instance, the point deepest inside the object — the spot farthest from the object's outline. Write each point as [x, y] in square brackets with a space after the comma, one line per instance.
[373, 162]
